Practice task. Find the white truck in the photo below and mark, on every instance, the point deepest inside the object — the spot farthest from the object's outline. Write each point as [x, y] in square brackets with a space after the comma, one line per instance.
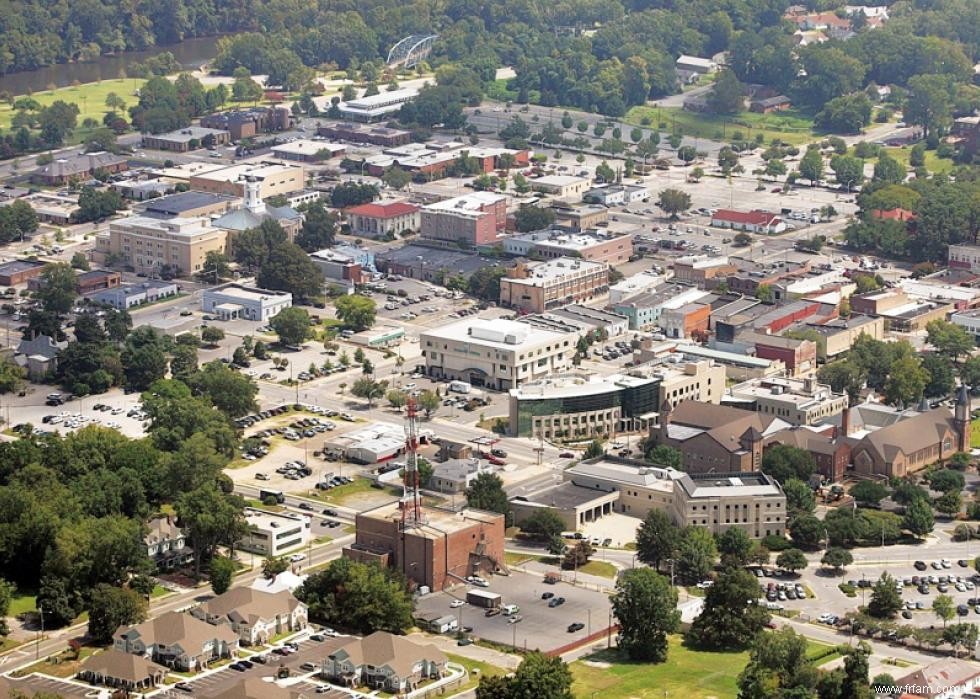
[460, 387]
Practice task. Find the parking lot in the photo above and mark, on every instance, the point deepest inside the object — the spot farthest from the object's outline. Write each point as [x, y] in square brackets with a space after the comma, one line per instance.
[35, 684]
[540, 626]
[309, 652]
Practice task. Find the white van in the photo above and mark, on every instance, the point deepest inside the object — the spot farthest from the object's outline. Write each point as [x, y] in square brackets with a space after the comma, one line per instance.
[510, 609]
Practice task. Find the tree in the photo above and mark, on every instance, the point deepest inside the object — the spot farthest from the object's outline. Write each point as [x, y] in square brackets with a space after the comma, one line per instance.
[362, 597]
[687, 154]
[319, 229]
[848, 171]
[885, 599]
[80, 262]
[792, 560]
[869, 493]
[95, 205]
[289, 268]
[944, 608]
[396, 398]
[229, 391]
[58, 288]
[949, 339]
[292, 325]
[356, 312]
[929, 103]
[7, 590]
[673, 202]
[645, 604]
[111, 607]
[533, 218]
[946, 480]
[696, 554]
[778, 666]
[368, 389]
[215, 267]
[728, 94]
[486, 492]
[657, 538]
[221, 572]
[537, 676]
[889, 170]
[429, 401]
[665, 455]
[578, 555]
[845, 114]
[811, 165]
[906, 382]
[273, 565]
[734, 545]
[396, 178]
[837, 558]
[942, 379]
[594, 450]
[784, 462]
[349, 194]
[949, 503]
[806, 531]
[799, 496]
[211, 518]
[543, 524]
[731, 618]
[212, 335]
[144, 357]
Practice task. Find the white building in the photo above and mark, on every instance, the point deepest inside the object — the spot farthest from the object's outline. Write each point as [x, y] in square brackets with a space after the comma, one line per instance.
[616, 194]
[496, 353]
[129, 295]
[272, 533]
[377, 442]
[560, 186]
[695, 64]
[797, 401]
[631, 286]
[236, 301]
[376, 106]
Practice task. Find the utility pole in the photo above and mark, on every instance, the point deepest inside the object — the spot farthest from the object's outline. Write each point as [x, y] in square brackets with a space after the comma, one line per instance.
[37, 644]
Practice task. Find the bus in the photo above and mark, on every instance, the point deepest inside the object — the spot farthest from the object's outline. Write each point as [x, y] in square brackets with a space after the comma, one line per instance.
[275, 494]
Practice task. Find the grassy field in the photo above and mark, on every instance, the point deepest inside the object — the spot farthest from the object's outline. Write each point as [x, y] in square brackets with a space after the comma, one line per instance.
[483, 669]
[600, 568]
[22, 602]
[342, 493]
[159, 591]
[790, 126]
[61, 665]
[89, 97]
[934, 163]
[975, 434]
[687, 673]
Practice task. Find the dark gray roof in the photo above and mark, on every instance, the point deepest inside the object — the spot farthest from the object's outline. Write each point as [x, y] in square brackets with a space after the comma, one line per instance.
[15, 266]
[176, 204]
[564, 496]
[435, 258]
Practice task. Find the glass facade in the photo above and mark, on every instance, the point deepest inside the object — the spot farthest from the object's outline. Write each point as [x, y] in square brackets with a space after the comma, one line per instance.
[632, 401]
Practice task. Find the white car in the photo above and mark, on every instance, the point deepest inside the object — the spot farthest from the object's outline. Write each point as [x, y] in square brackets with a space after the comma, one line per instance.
[945, 563]
[296, 557]
[456, 603]
[478, 581]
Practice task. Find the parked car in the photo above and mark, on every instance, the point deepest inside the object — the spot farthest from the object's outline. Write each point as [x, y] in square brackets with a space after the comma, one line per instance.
[577, 626]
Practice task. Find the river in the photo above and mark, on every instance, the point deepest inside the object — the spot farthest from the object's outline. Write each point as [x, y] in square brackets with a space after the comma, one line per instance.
[191, 53]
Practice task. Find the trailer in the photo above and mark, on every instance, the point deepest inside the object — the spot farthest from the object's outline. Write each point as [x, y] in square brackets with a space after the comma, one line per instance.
[483, 598]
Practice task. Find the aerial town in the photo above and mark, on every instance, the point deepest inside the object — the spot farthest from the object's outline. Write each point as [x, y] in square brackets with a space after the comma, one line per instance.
[516, 350]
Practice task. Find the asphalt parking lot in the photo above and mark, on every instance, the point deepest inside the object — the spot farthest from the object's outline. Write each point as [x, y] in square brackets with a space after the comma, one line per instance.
[34, 684]
[542, 627]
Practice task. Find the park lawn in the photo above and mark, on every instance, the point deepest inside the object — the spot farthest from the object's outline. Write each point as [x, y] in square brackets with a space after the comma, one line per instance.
[790, 126]
[934, 164]
[484, 670]
[89, 97]
[688, 673]
[22, 602]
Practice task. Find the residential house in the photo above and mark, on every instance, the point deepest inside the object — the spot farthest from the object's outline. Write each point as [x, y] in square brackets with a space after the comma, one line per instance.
[166, 544]
[754, 221]
[178, 641]
[118, 669]
[386, 662]
[256, 616]
[946, 678]
[456, 475]
[39, 355]
[78, 167]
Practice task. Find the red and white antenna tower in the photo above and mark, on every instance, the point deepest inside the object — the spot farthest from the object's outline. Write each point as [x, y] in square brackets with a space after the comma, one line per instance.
[411, 505]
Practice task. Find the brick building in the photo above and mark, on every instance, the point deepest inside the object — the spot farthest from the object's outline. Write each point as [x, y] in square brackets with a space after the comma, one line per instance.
[378, 219]
[362, 133]
[247, 123]
[685, 320]
[799, 356]
[554, 284]
[473, 219]
[439, 552]
[550, 244]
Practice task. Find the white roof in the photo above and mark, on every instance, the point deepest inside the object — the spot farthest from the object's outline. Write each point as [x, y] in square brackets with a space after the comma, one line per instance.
[494, 333]
[572, 385]
[557, 180]
[383, 98]
[306, 146]
[467, 202]
[555, 270]
[695, 61]
[287, 580]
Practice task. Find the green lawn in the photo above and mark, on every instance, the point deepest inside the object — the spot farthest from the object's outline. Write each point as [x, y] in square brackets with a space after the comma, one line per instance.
[89, 97]
[934, 163]
[600, 568]
[59, 665]
[484, 669]
[342, 493]
[687, 673]
[22, 602]
[516, 559]
[159, 591]
[975, 434]
[790, 125]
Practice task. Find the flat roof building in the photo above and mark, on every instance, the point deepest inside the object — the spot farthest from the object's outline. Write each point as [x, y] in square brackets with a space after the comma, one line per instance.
[383, 219]
[190, 204]
[130, 295]
[236, 301]
[308, 151]
[362, 133]
[560, 186]
[376, 107]
[150, 244]
[272, 533]
[20, 271]
[439, 552]
[472, 219]
[797, 401]
[594, 245]
[495, 353]
[186, 139]
[273, 178]
[553, 284]
[574, 504]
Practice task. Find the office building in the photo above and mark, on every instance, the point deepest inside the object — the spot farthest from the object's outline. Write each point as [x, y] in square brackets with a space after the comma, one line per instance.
[472, 219]
[580, 217]
[362, 133]
[190, 205]
[644, 310]
[250, 122]
[549, 244]
[498, 354]
[376, 107]
[232, 300]
[149, 244]
[383, 219]
[616, 194]
[273, 178]
[186, 139]
[273, 533]
[129, 295]
[549, 285]
[560, 186]
[20, 271]
[797, 401]
[308, 151]
[80, 167]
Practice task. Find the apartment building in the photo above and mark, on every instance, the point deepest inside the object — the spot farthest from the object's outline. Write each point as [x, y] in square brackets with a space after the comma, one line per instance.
[535, 289]
[472, 219]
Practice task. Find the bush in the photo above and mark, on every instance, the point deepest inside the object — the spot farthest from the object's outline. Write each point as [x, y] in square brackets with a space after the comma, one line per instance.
[270, 501]
[963, 532]
[848, 590]
[776, 543]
